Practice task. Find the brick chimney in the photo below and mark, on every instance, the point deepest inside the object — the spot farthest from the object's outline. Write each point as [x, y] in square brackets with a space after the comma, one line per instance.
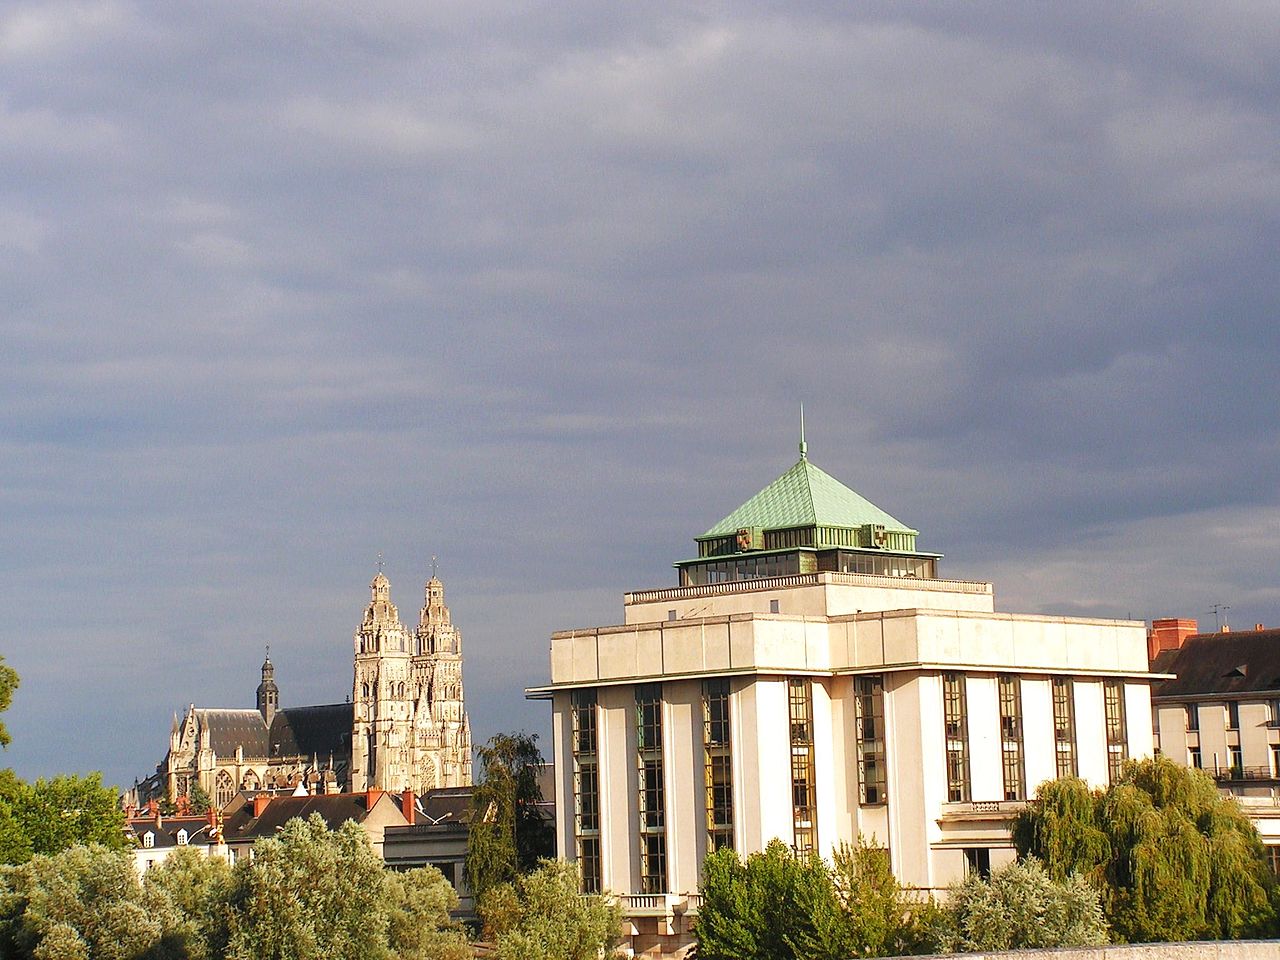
[371, 797]
[260, 801]
[1169, 634]
[408, 806]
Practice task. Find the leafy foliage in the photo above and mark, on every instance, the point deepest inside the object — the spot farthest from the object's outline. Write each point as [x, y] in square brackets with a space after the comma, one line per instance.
[1173, 858]
[542, 916]
[198, 887]
[779, 905]
[508, 834]
[418, 923]
[309, 893]
[48, 816]
[83, 902]
[8, 684]
[1021, 907]
[198, 801]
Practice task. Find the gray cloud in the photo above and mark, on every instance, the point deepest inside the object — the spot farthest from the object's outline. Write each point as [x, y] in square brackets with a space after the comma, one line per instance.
[539, 291]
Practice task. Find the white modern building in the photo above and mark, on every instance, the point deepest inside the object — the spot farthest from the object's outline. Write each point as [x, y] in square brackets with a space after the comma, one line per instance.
[812, 679]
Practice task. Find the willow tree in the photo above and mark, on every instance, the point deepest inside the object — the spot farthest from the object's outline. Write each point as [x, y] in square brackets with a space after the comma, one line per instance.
[1172, 858]
[508, 833]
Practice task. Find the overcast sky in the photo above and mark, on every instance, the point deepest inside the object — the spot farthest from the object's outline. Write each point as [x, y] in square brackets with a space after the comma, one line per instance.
[539, 289]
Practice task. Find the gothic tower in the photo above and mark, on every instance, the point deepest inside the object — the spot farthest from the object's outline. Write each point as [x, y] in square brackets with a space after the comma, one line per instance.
[381, 696]
[268, 692]
[443, 734]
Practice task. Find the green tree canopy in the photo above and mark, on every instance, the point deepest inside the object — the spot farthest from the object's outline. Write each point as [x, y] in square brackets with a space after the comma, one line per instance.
[198, 887]
[542, 916]
[1021, 907]
[508, 834]
[84, 902]
[1173, 858]
[309, 893]
[775, 905]
[48, 816]
[8, 684]
[419, 926]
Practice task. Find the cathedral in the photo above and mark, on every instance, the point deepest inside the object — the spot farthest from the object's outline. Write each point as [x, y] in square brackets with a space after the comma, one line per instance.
[404, 726]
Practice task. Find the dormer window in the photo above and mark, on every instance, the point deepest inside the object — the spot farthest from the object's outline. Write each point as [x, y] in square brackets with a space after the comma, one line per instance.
[148, 839]
[182, 838]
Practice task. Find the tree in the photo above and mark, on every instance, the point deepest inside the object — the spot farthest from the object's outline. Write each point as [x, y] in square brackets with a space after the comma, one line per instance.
[198, 887]
[8, 684]
[419, 926]
[308, 893]
[83, 902]
[883, 922]
[776, 904]
[542, 916]
[508, 834]
[49, 816]
[198, 801]
[1172, 857]
[1021, 907]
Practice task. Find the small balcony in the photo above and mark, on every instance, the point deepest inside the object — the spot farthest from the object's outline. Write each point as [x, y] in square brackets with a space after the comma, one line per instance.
[983, 809]
[1244, 775]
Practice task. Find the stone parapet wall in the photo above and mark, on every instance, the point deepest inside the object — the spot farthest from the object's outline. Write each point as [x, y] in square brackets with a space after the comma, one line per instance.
[1214, 950]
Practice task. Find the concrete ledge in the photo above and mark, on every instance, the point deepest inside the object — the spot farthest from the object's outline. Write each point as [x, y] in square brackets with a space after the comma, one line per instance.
[1209, 950]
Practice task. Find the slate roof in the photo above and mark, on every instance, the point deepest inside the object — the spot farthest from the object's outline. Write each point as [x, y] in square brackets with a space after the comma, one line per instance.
[231, 728]
[166, 835]
[335, 809]
[308, 731]
[805, 496]
[1221, 663]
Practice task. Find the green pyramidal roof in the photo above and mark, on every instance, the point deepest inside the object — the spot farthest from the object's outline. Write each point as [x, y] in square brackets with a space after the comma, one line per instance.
[805, 496]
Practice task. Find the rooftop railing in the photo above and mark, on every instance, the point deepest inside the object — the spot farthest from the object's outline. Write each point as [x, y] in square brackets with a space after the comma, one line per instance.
[804, 580]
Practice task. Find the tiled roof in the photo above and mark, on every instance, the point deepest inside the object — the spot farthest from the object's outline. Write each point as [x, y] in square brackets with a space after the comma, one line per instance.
[229, 729]
[805, 496]
[166, 834]
[311, 731]
[335, 809]
[1226, 663]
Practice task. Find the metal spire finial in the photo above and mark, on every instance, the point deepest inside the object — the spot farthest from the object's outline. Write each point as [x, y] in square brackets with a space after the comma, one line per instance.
[433, 567]
[381, 563]
[804, 447]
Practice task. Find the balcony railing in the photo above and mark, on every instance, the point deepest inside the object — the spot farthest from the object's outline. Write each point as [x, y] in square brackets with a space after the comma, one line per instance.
[803, 580]
[1236, 774]
[970, 809]
[659, 904]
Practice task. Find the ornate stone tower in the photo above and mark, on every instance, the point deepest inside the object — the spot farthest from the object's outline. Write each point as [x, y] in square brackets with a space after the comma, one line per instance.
[268, 692]
[382, 697]
[443, 734]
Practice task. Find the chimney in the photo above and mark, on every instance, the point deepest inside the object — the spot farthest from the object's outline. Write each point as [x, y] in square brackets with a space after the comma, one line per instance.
[408, 806]
[260, 801]
[371, 797]
[1259, 627]
[1169, 634]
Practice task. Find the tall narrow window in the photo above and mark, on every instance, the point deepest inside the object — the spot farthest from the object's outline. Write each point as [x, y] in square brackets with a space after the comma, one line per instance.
[868, 705]
[718, 753]
[1193, 716]
[1233, 715]
[653, 831]
[803, 802]
[1064, 725]
[1117, 728]
[954, 712]
[1193, 754]
[586, 789]
[1011, 738]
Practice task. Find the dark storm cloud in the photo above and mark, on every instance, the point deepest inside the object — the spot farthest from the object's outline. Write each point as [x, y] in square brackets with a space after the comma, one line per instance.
[539, 291]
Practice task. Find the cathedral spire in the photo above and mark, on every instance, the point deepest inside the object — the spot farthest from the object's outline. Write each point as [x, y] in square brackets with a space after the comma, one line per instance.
[268, 692]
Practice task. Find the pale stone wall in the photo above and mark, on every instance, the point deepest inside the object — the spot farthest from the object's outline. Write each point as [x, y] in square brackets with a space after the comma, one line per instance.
[1216, 950]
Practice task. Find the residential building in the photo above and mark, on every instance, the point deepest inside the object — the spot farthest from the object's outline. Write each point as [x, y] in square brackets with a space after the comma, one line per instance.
[155, 837]
[811, 678]
[1220, 711]
[263, 815]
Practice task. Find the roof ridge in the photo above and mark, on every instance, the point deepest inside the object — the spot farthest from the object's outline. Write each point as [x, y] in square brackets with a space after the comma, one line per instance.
[808, 484]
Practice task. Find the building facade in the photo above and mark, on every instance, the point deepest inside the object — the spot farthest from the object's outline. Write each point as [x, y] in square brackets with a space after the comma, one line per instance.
[404, 727]
[1219, 711]
[812, 679]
